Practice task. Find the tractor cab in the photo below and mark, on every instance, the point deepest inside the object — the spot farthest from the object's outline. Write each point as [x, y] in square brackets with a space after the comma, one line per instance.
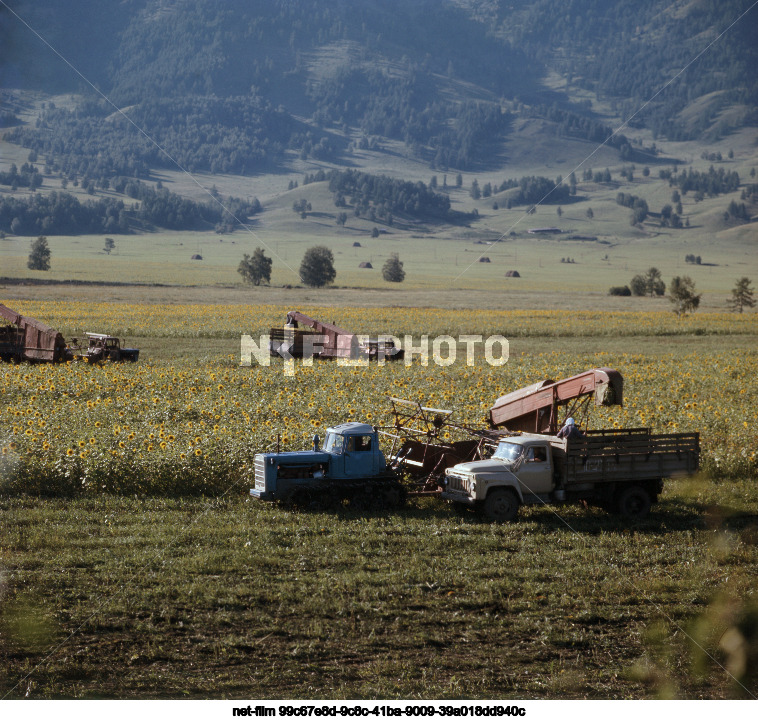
[354, 451]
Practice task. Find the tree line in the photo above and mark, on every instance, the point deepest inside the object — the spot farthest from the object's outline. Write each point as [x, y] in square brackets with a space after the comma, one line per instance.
[207, 97]
[406, 106]
[572, 124]
[628, 49]
[241, 135]
[535, 189]
[28, 177]
[265, 45]
[711, 182]
[60, 213]
[246, 135]
[638, 205]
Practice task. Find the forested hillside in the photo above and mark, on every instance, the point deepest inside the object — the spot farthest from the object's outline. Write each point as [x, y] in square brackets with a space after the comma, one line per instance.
[628, 50]
[427, 73]
[236, 87]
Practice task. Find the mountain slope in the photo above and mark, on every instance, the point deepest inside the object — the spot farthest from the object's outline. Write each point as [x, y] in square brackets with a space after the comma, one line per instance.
[411, 56]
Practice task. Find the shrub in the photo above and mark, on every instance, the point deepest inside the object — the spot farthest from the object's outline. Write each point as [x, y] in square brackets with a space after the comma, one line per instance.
[317, 268]
[393, 271]
[638, 286]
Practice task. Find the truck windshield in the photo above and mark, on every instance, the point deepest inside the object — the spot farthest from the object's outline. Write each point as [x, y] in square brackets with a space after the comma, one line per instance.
[508, 451]
[334, 443]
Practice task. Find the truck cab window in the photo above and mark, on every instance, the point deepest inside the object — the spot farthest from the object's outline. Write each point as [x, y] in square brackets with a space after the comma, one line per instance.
[537, 454]
[359, 444]
[508, 451]
[334, 443]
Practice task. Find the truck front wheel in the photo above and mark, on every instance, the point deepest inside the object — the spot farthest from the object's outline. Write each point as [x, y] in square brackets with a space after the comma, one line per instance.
[501, 505]
[633, 502]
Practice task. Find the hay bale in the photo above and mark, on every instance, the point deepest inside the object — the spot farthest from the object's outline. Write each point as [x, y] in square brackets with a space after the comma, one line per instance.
[356, 244]
[484, 259]
[512, 274]
[365, 264]
[197, 256]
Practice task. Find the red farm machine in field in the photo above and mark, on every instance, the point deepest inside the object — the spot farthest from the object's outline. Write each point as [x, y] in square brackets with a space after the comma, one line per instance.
[303, 336]
[535, 409]
[423, 443]
[26, 339]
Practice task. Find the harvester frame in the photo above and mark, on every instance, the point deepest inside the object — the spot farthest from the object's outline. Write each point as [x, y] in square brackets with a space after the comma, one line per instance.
[319, 339]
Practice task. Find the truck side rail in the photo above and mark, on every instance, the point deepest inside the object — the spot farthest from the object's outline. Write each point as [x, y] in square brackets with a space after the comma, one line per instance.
[625, 456]
[636, 442]
[613, 432]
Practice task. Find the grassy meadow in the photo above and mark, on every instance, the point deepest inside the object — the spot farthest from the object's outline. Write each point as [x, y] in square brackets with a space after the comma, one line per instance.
[442, 261]
[135, 564]
[439, 271]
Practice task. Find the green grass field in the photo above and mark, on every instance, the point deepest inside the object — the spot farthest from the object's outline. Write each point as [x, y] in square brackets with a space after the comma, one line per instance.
[436, 269]
[154, 598]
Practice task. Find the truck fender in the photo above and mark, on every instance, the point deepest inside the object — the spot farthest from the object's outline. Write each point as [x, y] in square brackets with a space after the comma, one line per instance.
[508, 480]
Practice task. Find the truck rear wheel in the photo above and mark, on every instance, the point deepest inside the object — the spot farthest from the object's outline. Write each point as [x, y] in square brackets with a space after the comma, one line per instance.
[501, 505]
[633, 502]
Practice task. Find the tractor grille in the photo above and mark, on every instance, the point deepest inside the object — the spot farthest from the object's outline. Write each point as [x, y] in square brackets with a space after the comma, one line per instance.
[260, 473]
[459, 483]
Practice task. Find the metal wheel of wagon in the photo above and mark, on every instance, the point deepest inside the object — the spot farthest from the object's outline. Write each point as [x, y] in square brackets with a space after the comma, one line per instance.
[501, 505]
[633, 502]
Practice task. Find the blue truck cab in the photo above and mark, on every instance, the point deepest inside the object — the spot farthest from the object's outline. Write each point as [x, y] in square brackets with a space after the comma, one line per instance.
[350, 454]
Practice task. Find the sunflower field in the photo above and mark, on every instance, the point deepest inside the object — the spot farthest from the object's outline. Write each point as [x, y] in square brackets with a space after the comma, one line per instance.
[191, 426]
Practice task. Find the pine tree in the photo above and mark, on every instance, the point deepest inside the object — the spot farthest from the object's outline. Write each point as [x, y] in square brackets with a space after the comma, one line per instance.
[39, 257]
[742, 296]
[682, 295]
